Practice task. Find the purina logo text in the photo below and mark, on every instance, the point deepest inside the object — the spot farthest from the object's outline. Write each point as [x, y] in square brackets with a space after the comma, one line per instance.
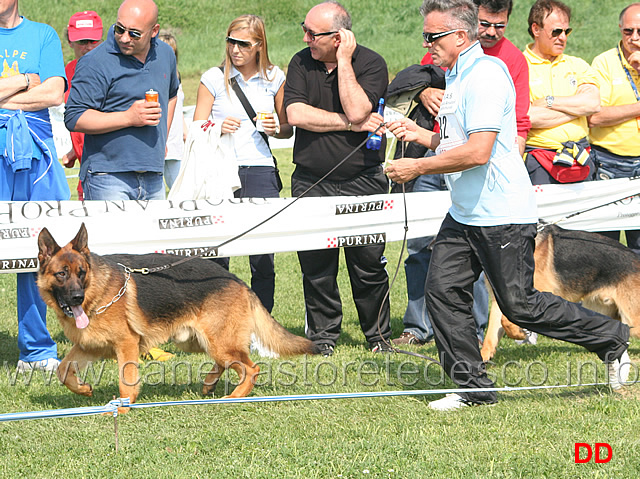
[357, 240]
[351, 208]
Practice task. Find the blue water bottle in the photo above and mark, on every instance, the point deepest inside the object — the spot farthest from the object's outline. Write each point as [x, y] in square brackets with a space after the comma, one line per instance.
[374, 141]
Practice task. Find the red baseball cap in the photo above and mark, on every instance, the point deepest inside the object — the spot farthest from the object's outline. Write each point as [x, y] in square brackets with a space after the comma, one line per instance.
[85, 26]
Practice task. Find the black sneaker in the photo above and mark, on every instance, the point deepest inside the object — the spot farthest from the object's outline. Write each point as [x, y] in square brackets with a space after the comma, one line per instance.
[380, 347]
[323, 348]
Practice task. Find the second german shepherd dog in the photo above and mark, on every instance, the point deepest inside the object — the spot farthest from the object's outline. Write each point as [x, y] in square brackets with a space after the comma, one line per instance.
[108, 313]
[601, 273]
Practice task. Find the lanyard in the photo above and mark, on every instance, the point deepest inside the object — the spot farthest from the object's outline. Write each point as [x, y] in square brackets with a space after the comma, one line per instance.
[629, 77]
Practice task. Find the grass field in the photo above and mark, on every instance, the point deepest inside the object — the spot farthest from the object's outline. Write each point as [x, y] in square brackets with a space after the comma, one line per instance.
[527, 434]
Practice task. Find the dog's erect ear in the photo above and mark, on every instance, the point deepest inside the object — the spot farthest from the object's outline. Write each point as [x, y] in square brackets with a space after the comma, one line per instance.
[47, 247]
[80, 242]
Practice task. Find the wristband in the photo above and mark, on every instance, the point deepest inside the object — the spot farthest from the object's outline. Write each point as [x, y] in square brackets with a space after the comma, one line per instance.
[26, 77]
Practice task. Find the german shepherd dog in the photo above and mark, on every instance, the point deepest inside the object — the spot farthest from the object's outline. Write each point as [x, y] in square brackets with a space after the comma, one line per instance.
[198, 304]
[579, 266]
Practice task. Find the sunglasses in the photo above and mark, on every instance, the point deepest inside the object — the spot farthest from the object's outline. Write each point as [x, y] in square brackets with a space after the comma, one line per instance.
[497, 26]
[556, 32]
[432, 37]
[134, 34]
[242, 44]
[86, 42]
[630, 31]
[315, 35]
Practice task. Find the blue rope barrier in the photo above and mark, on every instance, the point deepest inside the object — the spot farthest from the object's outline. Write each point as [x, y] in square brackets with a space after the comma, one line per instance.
[112, 406]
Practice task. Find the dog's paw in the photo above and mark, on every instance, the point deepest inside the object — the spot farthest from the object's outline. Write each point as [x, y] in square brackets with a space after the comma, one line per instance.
[85, 389]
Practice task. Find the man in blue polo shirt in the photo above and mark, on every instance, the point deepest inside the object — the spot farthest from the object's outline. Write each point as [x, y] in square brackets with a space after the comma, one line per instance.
[491, 224]
[125, 136]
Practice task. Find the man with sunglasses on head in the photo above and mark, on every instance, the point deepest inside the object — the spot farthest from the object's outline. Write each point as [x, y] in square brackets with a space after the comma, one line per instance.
[491, 225]
[615, 130]
[332, 88]
[125, 136]
[564, 93]
[84, 33]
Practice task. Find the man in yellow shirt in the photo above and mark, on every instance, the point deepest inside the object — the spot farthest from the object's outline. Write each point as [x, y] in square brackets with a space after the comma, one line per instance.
[563, 92]
[615, 130]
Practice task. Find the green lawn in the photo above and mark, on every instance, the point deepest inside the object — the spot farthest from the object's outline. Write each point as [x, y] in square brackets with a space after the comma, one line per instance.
[528, 434]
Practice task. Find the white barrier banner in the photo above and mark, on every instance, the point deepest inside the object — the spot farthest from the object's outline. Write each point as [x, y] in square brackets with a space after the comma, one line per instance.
[190, 228]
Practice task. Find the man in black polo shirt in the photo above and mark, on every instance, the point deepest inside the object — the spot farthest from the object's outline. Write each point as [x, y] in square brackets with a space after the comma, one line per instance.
[331, 90]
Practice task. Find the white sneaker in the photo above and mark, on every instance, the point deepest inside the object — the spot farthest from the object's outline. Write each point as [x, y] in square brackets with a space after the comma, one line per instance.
[448, 403]
[618, 371]
[50, 364]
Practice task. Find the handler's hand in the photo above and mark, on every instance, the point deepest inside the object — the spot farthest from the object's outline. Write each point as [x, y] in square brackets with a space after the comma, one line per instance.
[370, 124]
[634, 60]
[230, 125]
[431, 98]
[145, 113]
[347, 46]
[269, 125]
[402, 170]
[404, 129]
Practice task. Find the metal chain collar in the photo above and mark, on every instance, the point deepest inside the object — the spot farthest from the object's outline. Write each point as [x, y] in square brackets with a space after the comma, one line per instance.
[127, 276]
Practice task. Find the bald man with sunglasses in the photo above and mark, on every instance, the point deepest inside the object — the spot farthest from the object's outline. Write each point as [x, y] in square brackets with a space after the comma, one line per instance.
[125, 136]
[563, 91]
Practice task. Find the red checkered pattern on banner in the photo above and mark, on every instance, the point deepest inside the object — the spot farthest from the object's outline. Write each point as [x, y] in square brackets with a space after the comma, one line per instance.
[538, 188]
[217, 220]
[388, 204]
[161, 251]
[35, 232]
[332, 242]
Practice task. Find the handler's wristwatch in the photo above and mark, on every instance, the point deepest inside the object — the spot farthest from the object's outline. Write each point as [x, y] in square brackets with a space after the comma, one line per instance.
[550, 99]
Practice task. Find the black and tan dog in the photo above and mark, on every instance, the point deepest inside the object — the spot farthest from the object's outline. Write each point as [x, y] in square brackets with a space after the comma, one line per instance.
[578, 266]
[197, 304]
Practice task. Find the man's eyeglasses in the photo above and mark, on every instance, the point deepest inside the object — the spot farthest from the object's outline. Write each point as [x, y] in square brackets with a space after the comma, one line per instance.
[630, 31]
[556, 32]
[315, 35]
[432, 37]
[86, 42]
[497, 26]
[134, 34]
[242, 44]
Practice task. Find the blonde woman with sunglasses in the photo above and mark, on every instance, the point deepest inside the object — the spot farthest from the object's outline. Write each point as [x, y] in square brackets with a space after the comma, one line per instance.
[247, 63]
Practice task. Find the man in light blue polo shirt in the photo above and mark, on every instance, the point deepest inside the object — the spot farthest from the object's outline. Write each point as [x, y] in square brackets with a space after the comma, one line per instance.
[124, 149]
[491, 225]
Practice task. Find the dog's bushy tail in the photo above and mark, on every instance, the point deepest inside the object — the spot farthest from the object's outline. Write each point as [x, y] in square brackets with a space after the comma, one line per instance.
[271, 339]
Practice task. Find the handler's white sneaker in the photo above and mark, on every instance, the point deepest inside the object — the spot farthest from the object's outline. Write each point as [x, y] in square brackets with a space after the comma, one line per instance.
[448, 403]
[618, 371]
[50, 364]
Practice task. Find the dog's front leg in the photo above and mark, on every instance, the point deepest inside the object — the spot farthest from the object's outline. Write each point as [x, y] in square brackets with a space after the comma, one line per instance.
[68, 370]
[128, 365]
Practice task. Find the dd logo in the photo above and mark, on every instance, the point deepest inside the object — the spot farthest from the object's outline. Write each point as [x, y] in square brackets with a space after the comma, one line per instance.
[589, 452]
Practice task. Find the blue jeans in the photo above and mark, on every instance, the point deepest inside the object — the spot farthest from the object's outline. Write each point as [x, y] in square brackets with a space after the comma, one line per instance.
[614, 166]
[416, 266]
[171, 171]
[128, 185]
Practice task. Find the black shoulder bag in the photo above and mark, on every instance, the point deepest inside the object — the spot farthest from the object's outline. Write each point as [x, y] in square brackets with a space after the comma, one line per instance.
[249, 109]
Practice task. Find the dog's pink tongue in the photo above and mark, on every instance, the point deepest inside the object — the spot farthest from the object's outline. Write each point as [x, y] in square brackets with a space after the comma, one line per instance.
[82, 320]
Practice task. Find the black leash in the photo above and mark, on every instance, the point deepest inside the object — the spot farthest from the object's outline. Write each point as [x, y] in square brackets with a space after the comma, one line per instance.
[240, 235]
[393, 280]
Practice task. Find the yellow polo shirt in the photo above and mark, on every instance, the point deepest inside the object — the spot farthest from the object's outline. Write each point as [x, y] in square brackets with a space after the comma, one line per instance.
[562, 77]
[615, 89]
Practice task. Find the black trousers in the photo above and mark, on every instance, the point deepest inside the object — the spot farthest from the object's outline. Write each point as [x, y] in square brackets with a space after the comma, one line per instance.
[505, 253]
[258, 182]
[365, 264]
